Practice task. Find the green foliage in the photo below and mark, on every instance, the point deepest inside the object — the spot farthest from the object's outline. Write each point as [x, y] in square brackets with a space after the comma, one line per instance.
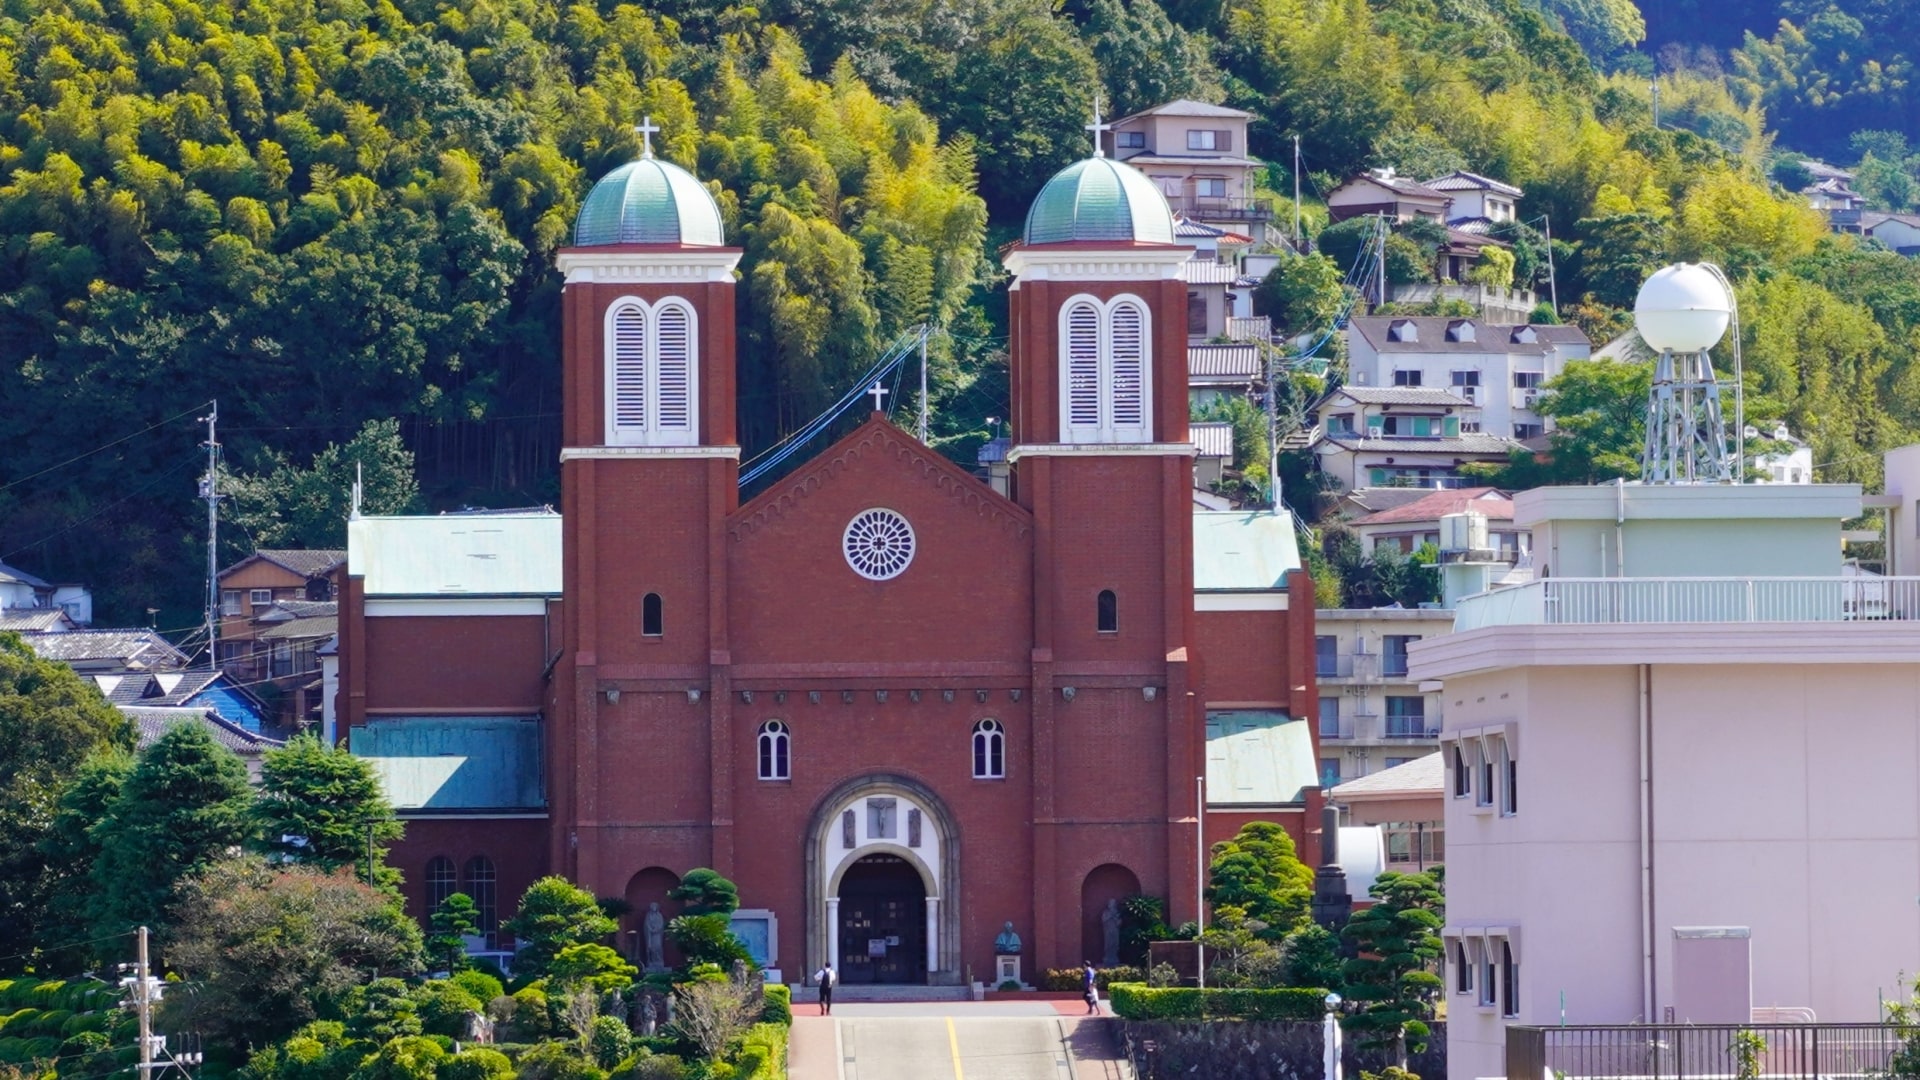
[554, 914]
[183, 806]
[381, 1010]
[1391, 978]
[1384, 578]
[1143, 920]
[281, 505]
[1062, 979]
[557, 1061]
[707, 939]
[763, 1053]
[1137, 1001]
[407, 1057]
[1302, 294]
[645, 1065]
[705, 892]
[779, 1008]
[484, 987]
[1312, 958]
[477, 1063]
[593, 966]
[532, 1015]
[455, 918]
[323, 806]
[1258, 873]
[444, 1005]
[608, 1041]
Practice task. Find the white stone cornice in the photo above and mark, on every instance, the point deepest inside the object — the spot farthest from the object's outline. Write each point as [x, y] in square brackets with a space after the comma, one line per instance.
[591, 453]
[629, 267]
[1143, 264]
[1149, 449]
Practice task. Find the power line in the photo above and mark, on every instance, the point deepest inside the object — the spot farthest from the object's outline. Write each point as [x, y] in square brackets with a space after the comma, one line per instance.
[107, 446]
[142, 489]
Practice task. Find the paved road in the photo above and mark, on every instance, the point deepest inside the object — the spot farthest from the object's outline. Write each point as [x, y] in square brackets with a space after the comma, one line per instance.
[938, 1041]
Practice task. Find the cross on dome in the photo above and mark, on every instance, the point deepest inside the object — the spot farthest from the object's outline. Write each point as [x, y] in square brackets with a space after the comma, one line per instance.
[1098, 128]
[646, 128]
[877, 393]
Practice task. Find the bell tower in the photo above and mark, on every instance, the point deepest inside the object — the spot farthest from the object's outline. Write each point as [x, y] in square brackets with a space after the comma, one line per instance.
[648, 472]
[1101, 456]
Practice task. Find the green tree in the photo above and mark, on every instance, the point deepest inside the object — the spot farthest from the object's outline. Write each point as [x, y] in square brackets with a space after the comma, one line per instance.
[593, 966]
[184, 806]
[1258, 873]
[324, 806]
[706, 892]
[455, 919]
[286, 506]
[52, 724]
[554, 914]
[1313, 959]
[269, 947]
[1146, 60]
[1392, 978]
[1302, 294]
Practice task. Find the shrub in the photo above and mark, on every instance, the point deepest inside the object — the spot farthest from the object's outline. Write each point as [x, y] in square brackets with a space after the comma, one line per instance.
[608, 1041]
[479, 983]
[1061, 979]
[647, 1065]
[532, 1018]
[444, 1005]
[408, 1057]
[779, 1007]
[557, 1061]
[707, 939]
[1009, 985]
[479, 1063]
[1134, 1001]
[763, 1053]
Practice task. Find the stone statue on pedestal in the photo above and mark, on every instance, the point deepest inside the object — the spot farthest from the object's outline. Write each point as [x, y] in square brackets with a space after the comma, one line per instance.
[656, 928]
[1008, 943]
[1110, 934]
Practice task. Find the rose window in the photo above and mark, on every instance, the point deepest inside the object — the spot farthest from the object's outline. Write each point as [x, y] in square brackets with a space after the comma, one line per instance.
[878, 544]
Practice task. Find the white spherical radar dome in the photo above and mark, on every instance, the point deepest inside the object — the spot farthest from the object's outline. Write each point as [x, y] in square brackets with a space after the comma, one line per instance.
[1683, 308]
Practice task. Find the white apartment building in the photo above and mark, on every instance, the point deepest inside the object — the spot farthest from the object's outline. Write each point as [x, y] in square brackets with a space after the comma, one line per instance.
[1499, 369]
[1373, 714]
[1648, 814]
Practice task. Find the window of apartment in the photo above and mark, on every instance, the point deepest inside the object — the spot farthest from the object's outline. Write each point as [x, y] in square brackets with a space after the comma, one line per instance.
[1462, 967]
[282, 659]
[989, 751]
[1509, 780]
[233, 651]
[1484, 952]
[1400, 841]
[1210, 187]
[230, 602]
[1393, 652]
[1467, 384]
[1469, 427]
[260, 597]
[1483, 767]
[1528, 380]
[1130, 140]
[1329, 717]
[1406, 716]
[1406, 378]
[1462, 775]
[1209, 140]
[1509, 980]
[1529, 431]
[1326, 656]
[1329, 772]
[1196, 313]
[775, 751]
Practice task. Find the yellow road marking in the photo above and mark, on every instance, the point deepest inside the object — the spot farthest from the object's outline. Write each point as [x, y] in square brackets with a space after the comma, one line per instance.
[953, 1042]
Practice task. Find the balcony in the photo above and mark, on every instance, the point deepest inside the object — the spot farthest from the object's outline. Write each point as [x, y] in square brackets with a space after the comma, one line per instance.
[1614, 601]
[1411, 727]
[1221, 208]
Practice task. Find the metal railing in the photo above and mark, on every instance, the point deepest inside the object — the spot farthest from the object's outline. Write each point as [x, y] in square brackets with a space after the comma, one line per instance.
[1600, 601]
[1222, 207]
[1704, 1051]
[1411, 727]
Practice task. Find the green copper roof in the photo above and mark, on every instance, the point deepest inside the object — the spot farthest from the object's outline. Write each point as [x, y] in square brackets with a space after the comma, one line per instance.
[1099, 199]
[1258, 758]
[1243, 550]
[455, 762]
[648, 201]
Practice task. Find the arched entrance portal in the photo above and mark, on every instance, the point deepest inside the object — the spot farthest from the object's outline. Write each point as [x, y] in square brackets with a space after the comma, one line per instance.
[883, 922]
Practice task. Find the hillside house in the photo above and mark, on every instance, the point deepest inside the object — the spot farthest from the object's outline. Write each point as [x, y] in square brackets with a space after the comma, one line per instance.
[91, 652]
[1499, 369]
[250, 587]
[1409, 436]
[1479, 202]
[1411, 524]
[1901, 232]
[1381, 192]
[23, 592]
[1196, 154]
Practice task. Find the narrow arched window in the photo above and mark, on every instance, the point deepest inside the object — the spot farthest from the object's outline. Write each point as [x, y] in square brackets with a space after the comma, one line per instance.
[441, 882]
[482, 887]
[652, 373]
[1129, 365]
[1107, 612]
[627, 371]
[775, 747]
[1082, 346]
[1106, 392]
[989, 750]
[652, 623]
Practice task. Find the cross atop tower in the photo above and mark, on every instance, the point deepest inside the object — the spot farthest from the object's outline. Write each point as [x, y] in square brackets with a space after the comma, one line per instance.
[646, 128]
[877, 393]
[1098, 128]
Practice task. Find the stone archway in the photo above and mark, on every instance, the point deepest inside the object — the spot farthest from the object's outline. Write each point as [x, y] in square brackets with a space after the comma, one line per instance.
[902, 820]
[1108, 881]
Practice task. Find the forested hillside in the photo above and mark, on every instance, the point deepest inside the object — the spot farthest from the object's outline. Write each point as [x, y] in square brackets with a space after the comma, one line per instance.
[328, 213]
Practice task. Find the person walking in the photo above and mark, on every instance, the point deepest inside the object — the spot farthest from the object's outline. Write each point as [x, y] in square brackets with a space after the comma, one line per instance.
[825, 979]
[1092, 992]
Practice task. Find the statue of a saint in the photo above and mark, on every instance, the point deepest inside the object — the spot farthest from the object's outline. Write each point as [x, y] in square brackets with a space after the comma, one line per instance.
[1008, 943]
[1110, 934]
[656, 927]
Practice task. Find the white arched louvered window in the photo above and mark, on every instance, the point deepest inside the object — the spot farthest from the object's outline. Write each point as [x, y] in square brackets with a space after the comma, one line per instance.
[1106, 371]
[652, 373]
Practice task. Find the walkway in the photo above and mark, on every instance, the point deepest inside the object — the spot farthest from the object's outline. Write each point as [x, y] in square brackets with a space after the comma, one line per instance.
[941, 1040]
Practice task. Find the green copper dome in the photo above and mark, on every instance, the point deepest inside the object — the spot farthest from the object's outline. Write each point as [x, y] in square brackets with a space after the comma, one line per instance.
[1099, 199]
[648, 201]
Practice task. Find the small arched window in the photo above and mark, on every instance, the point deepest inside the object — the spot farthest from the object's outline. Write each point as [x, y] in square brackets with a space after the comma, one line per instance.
[482, 888]
[989, 751]
[441, 882]
[1107, 612]
[652, 623]
[775, 751]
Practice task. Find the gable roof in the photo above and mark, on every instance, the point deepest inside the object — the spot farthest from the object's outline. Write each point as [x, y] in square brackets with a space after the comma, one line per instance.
[154, 688]
[1496, 504]
[319, 626]
[1462, 180]
[1404, 186]
[1187, 107]
[13, 576]
[1403, 395]
[133, 648]
[1432, 333]
[35, 620]
[456, 555]
[1423, 776]
[1873, 219]
[1228, 363]
[1213, 438]
[295, 610]
[306, 562]
[150, 722]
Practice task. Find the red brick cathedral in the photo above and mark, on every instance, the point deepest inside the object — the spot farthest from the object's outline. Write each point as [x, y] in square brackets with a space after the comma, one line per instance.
[897, 707]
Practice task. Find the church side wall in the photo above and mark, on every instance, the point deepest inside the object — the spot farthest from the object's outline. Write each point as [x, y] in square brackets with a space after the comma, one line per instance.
[517, 848]
[491, 663]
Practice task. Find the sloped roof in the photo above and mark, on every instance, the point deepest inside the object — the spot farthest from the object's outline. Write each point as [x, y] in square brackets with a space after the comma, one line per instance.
[1462, 180]
[154, 688]
[307, 562]
[1399, 185]
[1496, 504]
[1404, 395]
[320, 626]
[1422, 776]
[35, 620]
[1214, 438]
[143, 648]
[1243, 550]
[453, 763]
[151, 722]
[1214, 160]
[1187, 107]
[1432, 332]
[1873, 219]
[1471, 226]
[1376, 499]
[1258, 758]
[13, 576]
[1238, 362]
[452, 555]
[292, 610]
[1448, 444]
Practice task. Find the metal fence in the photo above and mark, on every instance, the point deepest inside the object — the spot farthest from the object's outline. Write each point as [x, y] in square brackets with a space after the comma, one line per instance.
[1704, 1052]
[1597, 601]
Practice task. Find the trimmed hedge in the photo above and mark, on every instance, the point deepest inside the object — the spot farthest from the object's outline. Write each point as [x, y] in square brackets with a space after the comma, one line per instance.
[1137, 1001]
[1063, 979]
[779, 1006]
[763, 1053]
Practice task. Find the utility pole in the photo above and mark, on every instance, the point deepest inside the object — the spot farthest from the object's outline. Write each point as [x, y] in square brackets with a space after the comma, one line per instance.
[1380, 252]
[1200, 876]
[924, 328]
[1553, 276]
[210, 491]
[1296, 193]
[143, 1004]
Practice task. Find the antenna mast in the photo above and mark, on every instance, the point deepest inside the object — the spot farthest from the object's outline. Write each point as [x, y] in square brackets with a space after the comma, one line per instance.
[210, 491]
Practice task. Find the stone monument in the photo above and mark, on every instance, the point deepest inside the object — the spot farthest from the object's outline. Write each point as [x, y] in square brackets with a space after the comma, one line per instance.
[655, 925]
[1110, 934]
[1006, 956]
[1332, 904]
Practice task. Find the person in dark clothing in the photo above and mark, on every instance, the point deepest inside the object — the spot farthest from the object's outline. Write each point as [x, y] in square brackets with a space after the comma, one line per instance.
[826, 980]
[1092, 992]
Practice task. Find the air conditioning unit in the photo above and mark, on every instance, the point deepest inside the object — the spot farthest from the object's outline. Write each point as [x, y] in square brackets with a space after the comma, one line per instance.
[1528, 399]
[1471, 393]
